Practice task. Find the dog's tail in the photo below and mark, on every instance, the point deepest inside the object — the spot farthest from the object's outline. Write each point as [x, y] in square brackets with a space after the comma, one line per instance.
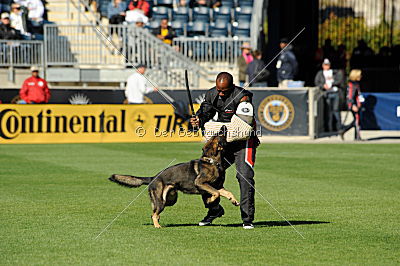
[130, 181]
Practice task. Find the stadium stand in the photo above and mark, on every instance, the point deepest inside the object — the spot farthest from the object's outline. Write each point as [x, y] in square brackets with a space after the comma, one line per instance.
[74, 46]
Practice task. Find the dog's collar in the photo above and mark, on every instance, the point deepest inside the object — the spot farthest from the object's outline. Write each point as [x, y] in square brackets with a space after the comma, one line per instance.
[210, 161]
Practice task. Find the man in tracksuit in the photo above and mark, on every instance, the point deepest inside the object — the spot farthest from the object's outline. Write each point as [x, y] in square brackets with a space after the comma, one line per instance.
[224, 99]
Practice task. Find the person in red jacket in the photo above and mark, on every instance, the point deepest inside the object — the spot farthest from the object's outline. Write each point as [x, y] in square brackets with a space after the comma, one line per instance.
[34, 89]
[141, 5]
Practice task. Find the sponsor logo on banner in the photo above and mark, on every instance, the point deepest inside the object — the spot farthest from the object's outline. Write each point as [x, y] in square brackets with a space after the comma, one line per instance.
[92, 123]
[276, 112]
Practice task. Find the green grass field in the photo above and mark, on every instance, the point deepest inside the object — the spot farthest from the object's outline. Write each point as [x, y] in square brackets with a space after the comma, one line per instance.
[55, 199]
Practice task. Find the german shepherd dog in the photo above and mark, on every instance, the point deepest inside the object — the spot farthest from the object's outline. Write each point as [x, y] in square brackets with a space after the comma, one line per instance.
[199, 176]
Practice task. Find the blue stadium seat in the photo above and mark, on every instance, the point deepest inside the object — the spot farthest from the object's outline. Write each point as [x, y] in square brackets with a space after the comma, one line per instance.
[197, 28]
[223, 10]
[228, 3]
[222, 17]
[220, 24]
[167, 3]
[179, 27]
[243, 13]
[201, 14]
[245, 3]
[222, 13]
[181, 14]
[161, 12]
[240, 32]
[215, 32]
[243, 25]
[245, 9]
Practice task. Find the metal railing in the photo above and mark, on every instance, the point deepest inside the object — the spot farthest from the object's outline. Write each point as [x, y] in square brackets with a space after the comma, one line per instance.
[220, 51]
[75, 45]
[166, 62]
[121, 46]
[16, 53]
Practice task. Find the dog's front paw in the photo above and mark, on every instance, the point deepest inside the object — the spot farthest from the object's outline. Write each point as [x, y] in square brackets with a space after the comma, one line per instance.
[235, 202]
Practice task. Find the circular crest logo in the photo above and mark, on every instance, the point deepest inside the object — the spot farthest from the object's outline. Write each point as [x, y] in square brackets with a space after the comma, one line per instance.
[276, 112]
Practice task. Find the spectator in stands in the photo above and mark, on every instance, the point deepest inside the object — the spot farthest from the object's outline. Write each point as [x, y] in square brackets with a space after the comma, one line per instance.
[258, 74]
[353, 103]
[330, 81]
[35, 14]
[205, 3]
[34, 89]
[116, 13]
[6, 31]
[36, 11]
[140, 5]
[242, 62]
[165, 32]
[286, 64]
[139, 23]
[18, 21]
[92, 4]
[137, 87]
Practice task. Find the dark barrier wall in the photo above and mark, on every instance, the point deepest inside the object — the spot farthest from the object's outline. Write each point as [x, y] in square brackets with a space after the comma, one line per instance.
[279, 112]
[282, 112]
[381, 111]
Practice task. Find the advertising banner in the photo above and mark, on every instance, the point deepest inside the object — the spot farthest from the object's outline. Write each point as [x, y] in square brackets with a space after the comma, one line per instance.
[381, 111]
[92, 123]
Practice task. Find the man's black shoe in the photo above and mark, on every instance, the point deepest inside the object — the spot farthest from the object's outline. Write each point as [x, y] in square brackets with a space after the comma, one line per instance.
[212, 215]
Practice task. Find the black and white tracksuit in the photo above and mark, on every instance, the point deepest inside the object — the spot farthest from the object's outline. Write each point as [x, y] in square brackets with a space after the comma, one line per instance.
[241, 153]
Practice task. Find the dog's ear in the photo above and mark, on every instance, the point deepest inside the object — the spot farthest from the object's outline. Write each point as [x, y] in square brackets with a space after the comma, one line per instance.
[223, 132]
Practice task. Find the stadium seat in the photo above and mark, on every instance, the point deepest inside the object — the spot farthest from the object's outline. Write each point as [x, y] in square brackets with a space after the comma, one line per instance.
[243, 25]
[221, 24]
[245, 10]
[243, 13]
[241, 16]
[222, 17]
[228, 3]
[201, 14]
[179, 27]
[161, 12]
[181, 14]
[166, 3]
[197, 28]
[237, 32]
[215, 32]
[222, 13]
[245, 3]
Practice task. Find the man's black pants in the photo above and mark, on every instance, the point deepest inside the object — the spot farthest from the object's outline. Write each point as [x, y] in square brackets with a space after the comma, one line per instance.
[242, 153]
